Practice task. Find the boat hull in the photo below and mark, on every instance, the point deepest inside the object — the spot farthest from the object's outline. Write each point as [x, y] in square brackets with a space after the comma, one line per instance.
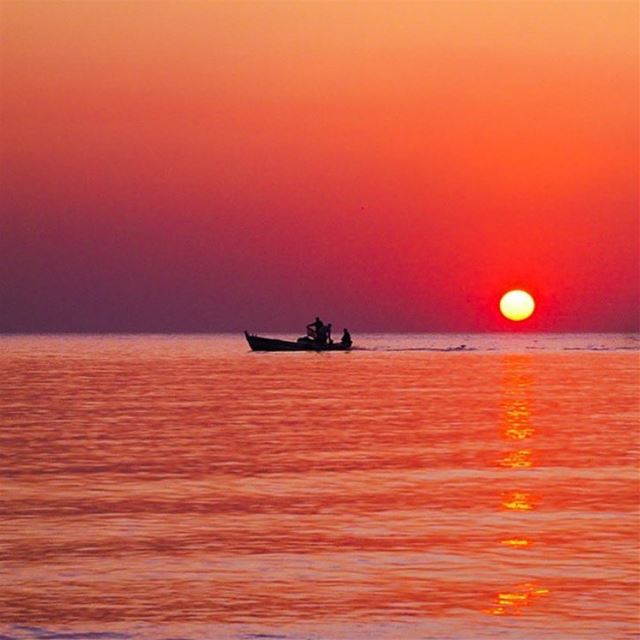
[258, 343]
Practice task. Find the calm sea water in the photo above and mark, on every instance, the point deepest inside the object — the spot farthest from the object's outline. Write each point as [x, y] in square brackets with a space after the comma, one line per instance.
[183, 487]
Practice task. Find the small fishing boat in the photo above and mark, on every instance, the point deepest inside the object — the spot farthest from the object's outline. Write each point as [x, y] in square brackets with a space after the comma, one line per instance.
[258, 343]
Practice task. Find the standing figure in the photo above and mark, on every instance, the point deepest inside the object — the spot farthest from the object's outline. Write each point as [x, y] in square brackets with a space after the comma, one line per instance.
[314, 329]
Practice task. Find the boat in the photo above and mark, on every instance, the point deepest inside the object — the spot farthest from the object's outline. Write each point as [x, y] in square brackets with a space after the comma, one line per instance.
[258, 343]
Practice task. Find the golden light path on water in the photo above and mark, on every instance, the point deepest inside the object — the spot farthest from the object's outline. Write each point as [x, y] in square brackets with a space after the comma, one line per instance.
[161, 487]
[517, 429]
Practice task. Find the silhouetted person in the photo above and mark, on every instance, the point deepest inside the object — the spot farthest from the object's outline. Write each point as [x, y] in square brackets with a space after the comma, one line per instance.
[314, 329]
[346, 338]
[324, 334]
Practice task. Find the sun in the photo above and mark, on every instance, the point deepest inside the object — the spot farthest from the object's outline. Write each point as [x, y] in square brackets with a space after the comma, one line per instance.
[517, 305]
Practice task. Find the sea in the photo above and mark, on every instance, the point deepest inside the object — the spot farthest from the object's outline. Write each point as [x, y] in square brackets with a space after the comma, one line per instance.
[181, 487]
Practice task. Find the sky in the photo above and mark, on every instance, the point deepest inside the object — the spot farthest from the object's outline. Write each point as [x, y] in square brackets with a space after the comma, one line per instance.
[191, 166]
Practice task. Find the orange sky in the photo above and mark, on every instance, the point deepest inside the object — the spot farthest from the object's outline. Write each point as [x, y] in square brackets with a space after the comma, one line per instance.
[389, 165]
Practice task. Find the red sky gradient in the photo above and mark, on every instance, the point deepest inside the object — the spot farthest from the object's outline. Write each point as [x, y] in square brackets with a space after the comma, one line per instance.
[209, 166]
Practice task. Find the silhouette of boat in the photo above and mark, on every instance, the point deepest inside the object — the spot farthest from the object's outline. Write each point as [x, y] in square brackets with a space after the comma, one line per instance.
[258, 343]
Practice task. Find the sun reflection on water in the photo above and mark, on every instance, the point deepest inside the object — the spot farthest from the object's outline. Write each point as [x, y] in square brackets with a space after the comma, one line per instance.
[517, 543]
[517, 459]
[516, 383]
[514, 602]
[518, 501]
[516, 420]
[516, 426]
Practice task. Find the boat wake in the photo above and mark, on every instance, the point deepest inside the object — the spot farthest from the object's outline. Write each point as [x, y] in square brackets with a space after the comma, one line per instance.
[462, 347]
[601, 348]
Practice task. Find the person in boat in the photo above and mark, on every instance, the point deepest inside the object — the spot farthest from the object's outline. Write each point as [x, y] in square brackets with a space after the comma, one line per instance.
[323, 335]
[319, 332]
[346, 338]
[314, 328]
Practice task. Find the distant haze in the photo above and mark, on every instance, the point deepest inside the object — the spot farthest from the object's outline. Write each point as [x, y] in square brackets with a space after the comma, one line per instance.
[215, 166]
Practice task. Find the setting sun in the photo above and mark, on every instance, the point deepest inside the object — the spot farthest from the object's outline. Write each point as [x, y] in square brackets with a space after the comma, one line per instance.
[517, 305]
